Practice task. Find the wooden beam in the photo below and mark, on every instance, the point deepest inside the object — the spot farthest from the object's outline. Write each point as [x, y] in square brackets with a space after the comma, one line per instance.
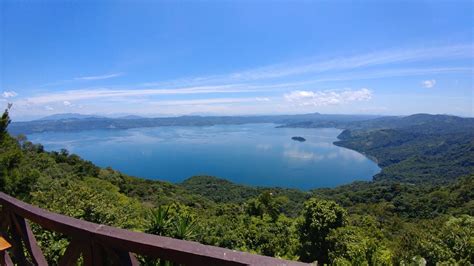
[174, 250]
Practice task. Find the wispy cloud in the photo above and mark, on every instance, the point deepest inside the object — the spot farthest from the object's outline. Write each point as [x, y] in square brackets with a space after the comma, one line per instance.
[390, 73]
[428, 84]
[331, 97]
[79, 79]
[206, 101]
[99, 77]
[9, 94]
[350, 62]
[88, 94]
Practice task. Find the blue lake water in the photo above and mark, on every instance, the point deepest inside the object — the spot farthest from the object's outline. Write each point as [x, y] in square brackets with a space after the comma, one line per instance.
[252, 154]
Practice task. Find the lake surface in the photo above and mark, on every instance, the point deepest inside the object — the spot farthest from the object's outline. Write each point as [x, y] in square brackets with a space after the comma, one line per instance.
[252, 154]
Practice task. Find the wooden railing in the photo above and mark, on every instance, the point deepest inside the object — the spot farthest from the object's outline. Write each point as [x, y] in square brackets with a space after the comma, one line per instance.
[99, 244]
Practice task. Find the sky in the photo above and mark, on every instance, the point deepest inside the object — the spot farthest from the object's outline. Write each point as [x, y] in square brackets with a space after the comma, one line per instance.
[168, 58]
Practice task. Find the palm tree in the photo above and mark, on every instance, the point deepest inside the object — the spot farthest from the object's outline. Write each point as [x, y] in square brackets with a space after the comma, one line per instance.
[185, 227]
[160, 221]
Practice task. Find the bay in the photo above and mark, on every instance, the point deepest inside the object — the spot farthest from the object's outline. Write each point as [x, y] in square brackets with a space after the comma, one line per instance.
[251, 154]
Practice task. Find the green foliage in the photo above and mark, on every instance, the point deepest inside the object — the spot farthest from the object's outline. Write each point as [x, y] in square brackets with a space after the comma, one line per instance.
[290, 201]
[353, 244]
[12, 180]
[185, 227]
[266, 203]
[52, 244]
[428, 153]
[4, 122]
[160, 221]
[458, 235]
[319, 218]
[447, 241]
[272, 237]
[90, 199]
[406, 200]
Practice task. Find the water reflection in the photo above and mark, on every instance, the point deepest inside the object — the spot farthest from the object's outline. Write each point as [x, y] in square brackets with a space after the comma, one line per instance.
[264, 147]
[302, 155]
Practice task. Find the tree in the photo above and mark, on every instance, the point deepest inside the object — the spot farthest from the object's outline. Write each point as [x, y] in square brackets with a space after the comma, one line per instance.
[160, 221]
[266, 203]
[318, 219]
[458, 235]
[4, 122]
[10, 158]
[355, 244]
[185, 227]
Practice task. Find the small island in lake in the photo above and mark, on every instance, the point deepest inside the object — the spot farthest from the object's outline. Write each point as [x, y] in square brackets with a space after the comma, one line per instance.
[300, 139]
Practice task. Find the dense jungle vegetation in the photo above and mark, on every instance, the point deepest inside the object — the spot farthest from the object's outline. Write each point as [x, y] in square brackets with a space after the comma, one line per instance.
[420, 208]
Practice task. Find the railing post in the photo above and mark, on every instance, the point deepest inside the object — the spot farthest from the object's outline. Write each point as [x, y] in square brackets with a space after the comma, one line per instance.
[24, 230]
[72, 253]
[17, 245]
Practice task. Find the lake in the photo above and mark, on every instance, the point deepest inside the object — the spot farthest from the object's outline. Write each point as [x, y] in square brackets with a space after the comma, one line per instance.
[251, 154]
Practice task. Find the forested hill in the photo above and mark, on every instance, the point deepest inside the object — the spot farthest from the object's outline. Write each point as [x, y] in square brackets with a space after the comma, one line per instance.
[422, 122]
[418, 148]
[364, 223]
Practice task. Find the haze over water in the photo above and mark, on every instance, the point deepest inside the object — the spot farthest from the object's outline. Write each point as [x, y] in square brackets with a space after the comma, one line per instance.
[252, 154]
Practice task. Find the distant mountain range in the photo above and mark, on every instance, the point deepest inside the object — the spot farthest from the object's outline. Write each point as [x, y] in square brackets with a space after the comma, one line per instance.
[77, 122]
[69, 116]
[355, 123]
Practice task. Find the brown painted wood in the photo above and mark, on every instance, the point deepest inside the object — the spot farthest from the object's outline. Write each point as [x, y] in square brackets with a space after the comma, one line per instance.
[29, 240]
[130, 259]
[72, 254]
[5, 259]
[87, 255]
[177, 251]
[17, 243]
[4, 220]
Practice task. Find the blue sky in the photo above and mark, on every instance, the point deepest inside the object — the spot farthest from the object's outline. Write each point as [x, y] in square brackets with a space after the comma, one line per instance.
[157, 58]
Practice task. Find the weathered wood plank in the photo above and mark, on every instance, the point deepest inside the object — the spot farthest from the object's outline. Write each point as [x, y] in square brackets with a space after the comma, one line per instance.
[72, 254]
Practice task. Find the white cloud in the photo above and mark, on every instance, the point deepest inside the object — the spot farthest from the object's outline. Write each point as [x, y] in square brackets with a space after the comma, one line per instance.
[332, 97]
[48, 108]
[341, 63]
[9, 94]
[262, 99]
[99, 77]
[428, 83]
[386, 57]
[88, 94]
[67, 103]
[205, 101]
